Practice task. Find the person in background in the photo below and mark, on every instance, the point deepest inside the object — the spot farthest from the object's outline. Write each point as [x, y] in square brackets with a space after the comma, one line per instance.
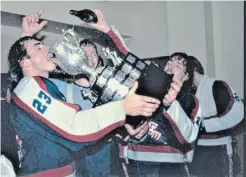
[221, 110]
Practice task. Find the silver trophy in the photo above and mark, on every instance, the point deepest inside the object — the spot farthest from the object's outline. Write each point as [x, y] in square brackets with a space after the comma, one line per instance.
[107, 83]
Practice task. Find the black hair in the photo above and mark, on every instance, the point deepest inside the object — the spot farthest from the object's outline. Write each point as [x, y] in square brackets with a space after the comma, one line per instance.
[89, 42]
[17, 53]
[196, 64]
[179, 55]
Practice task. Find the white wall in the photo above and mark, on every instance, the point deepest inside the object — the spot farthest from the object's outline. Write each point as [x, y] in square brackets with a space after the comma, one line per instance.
[186, 29]
[211, 31]
[145, 22]
[228, 43]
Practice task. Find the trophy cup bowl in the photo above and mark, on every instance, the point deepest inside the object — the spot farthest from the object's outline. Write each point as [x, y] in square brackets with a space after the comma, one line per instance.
[69, 56]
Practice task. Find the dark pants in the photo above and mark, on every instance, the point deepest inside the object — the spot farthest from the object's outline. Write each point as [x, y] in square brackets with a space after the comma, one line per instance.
[155, 169]
[210, 161]
[103, 163]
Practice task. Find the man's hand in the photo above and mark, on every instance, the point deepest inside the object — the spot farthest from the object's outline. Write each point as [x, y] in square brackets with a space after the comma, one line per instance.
[102, 24]
[82, 82]
[171, 95]
[138, 132]
[135, 105]
[30, 24]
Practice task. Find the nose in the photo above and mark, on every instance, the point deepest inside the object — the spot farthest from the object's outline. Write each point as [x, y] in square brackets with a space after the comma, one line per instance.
[46, 49]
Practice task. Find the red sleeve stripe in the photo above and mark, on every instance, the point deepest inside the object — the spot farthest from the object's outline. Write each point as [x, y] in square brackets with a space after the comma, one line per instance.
[77, 138]
[117, 41]
[194, 111]
[148, 148]
[175, 129]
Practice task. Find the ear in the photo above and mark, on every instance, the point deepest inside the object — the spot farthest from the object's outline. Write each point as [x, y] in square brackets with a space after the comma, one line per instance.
[25, 63]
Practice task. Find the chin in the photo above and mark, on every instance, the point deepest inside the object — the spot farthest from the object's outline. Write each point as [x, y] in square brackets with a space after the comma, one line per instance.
[52, 67]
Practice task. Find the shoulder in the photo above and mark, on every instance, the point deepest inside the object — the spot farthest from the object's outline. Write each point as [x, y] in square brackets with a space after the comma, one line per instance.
[221, 88]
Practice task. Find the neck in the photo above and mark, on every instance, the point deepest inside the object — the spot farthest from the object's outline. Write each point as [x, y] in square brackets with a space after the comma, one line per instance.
[36, 73]
[197, 79]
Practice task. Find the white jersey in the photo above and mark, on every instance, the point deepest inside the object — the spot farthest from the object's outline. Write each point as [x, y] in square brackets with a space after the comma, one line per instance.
[216, 124]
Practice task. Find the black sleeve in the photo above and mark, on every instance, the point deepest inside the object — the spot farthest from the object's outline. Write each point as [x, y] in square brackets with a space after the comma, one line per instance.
[188, 103]
[222, 96]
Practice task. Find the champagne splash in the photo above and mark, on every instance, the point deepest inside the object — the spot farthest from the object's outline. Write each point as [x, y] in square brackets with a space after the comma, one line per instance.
[69, 56]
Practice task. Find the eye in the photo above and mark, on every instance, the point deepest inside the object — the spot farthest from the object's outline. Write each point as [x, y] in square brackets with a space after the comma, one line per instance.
[39, 47]
[94, 54]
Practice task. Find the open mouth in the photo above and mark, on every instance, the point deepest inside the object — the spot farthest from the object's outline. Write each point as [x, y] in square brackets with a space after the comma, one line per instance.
[50, 55]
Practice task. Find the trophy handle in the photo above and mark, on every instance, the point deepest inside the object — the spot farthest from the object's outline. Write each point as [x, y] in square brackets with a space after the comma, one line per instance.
[112, 55]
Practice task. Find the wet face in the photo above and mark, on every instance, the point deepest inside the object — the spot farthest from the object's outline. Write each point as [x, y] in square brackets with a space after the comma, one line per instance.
[173, 64]
[39, 59]
[91, 54]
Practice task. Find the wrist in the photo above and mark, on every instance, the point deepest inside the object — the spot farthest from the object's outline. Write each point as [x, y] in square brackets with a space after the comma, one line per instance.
[26, 34]
[124, 106]
[106, 29]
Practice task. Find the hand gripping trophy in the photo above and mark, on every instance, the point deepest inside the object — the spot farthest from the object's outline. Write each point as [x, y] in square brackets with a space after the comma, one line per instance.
[111, 83]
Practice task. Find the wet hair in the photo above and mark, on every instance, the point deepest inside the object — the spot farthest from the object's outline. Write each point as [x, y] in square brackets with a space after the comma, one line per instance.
[196, 64]
[179, 55]
[16, 54]
[89, 42]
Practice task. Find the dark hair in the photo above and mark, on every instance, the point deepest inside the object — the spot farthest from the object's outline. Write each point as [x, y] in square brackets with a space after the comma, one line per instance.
[196, 64]
[88, 42]
[180, 55]
[187, 85]
[18, 52]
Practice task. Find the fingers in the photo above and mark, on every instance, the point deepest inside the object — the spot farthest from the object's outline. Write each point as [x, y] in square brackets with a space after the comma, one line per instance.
[133, 89]
[98, 13]
[169, 98]
[43, 23]
[32, 18]
[149, 99]
[148, 107]
[36, 17]
[136, 131]
[140, 128]
[143, 131]
[149, 110]
[41, 11]
[129, 129]
[176, 87]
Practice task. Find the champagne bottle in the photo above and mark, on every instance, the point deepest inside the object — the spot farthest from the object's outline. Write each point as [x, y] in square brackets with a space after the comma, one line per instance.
[85, 15]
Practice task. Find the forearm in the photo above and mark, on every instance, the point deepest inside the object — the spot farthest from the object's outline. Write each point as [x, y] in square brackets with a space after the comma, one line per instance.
[117, 42]
[65, 118]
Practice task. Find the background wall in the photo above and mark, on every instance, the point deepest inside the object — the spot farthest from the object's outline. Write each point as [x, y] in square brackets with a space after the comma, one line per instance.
[211, 31]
